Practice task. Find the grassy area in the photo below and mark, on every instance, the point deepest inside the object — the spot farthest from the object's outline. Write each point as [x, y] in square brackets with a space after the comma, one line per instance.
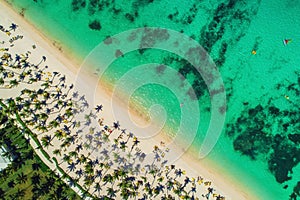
[27, 177]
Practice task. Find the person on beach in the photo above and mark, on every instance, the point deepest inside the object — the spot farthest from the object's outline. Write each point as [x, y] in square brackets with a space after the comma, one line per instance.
[210, 191]
[219, 197]
[100, 121]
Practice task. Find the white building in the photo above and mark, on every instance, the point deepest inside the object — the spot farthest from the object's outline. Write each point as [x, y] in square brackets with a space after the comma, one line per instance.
[3, 161]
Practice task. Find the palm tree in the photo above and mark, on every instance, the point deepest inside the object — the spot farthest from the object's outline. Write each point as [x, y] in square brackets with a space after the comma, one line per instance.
[89, 138]
[35, 166]
[135, 143]
[88, 168]
[17, 59]
[79, 173]
[43, 60]
[159, 189]
[170, 185]
[75, 95]
[193, 191]
[85, 194]
[11, 184]
[69, 113]
[105, 153]
[71, 166]
[98, 173]
[71, 182]
[178, 173]
[116, 125]
[78, 148]
[88, 181]
[111, 192]
[97, 188]
[68, 141]
[73, 154]
[148, 189]
[108, 178]
[186, 181]
[20, 193]
[123, 145]
[2, 193]
[59, 134]
[14, 83]
[13, 27]
[21, 178]
[41, 127]
[55, 124]
[36, 179]
[99, 108]
[5, 74]
[95, 162]
[82, 159]
[57, 152]
[18, 162]
[46, 141]
[1, 81]
[66, 158]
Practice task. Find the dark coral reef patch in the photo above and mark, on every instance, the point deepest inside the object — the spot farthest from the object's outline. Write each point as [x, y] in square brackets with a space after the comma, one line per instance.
[270, 133]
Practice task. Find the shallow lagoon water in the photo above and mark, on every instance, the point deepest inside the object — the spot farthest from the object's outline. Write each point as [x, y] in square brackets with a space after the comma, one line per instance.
[259, 146]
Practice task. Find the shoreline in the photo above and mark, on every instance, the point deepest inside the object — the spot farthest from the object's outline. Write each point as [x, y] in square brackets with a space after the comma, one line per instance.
[65, 55]
[187, 160]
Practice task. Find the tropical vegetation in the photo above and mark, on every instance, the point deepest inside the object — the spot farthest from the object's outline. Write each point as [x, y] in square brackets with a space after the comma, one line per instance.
[27, 177]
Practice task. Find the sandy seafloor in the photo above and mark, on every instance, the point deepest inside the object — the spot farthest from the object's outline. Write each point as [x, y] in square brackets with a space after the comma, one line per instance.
[259, 145]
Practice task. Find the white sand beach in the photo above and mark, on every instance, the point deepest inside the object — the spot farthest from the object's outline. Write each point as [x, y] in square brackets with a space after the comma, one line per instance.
[66, 64]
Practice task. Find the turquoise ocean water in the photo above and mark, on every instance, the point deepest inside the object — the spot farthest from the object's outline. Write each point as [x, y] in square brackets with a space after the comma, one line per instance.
[259, 146]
